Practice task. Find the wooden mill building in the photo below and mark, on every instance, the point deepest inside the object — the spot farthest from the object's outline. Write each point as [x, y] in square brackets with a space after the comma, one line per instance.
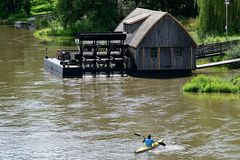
[158, 43]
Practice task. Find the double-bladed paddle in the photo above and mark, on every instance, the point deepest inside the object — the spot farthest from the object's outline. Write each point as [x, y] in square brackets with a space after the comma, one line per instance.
[160, 143]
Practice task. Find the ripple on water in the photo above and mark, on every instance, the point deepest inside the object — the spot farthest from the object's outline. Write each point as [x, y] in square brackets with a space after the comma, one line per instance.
[169, 148]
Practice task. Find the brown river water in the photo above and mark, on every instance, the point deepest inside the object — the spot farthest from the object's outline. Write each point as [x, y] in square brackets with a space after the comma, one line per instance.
[46, 117]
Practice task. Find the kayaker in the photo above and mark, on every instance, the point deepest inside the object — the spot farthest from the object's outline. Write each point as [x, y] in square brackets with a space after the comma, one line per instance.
[148, 141]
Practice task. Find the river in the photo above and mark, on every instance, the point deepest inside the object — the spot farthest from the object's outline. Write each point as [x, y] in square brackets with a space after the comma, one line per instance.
[46, 117]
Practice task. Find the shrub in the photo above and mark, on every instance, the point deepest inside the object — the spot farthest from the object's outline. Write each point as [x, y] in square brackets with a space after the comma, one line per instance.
[84, 25]
[233, 54]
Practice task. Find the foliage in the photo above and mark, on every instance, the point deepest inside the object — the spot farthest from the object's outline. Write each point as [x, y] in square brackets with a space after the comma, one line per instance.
[186, 8]
[103, 15]
[233, 54]
[204, 83]
[44, 35]
[43, 7]
[236, 81]
[212, 38]
[88, 13]
[212, 16]
[85, 25]
[9, 7]
[104, 18]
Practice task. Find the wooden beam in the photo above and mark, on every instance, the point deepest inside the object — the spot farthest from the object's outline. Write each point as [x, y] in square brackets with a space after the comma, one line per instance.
[172, 59]
[159, 58]
[143, 58]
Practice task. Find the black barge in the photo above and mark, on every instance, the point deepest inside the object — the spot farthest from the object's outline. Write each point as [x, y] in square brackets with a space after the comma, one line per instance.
[98, 53]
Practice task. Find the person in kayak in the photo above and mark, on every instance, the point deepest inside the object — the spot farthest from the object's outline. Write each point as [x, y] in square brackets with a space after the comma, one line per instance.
[148, 141]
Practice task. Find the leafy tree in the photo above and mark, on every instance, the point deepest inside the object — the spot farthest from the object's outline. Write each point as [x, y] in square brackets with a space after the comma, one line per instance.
[187, 8]
[8, 7]
[101, 13]
[73, 10]
[104, 14]
[212, 16]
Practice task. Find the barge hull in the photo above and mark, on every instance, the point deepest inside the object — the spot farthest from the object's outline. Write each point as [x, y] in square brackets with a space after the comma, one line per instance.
[53, 65]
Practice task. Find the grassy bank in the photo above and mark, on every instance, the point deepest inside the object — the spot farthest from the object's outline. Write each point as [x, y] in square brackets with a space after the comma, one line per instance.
[212, 38]
[191, 25]
[54, 28]
[202, 83]
[46, 36]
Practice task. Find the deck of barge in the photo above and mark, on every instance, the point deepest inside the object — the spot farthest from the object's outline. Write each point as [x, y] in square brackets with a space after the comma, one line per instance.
[53, 65]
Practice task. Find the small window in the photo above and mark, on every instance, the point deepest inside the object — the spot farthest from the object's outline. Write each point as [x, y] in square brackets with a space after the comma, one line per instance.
[154, 52]
[127, 28]
[179, 52]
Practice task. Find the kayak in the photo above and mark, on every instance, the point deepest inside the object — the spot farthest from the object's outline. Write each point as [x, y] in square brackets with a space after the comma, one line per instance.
[145, 148]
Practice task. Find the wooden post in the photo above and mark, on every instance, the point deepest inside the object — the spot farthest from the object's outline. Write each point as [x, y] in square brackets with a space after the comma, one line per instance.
[191, 57]
[143, 57]
[94, 57]
[81, 56]
[172, 59]
[159, 60]
[122, 51]
[108, 57]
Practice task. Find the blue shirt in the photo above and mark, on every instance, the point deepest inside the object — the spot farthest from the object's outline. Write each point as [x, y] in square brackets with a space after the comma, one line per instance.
[148, 142]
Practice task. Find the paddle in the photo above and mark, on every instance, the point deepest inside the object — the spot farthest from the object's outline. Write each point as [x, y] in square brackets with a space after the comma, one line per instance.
[160, 143]
[139, 135]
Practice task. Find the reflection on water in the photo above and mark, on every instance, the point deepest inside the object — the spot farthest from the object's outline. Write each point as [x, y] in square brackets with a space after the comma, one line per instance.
[46, 117]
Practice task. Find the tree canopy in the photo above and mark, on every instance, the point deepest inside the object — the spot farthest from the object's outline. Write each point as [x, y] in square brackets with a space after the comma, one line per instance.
[8, 7]
[212, 16]
[104, 15]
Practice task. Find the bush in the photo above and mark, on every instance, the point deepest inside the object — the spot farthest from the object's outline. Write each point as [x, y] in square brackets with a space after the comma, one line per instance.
[233, 54]
[84, 25]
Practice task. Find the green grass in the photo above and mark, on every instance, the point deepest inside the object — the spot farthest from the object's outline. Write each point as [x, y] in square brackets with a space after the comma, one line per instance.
[46, 36]
[212, 38]
[191, 25]
[202, 83]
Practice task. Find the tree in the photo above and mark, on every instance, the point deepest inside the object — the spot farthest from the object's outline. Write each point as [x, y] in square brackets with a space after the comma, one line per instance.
[187, 8]
[8, 7]
[101, 13]
[212, 16]
[104, 14]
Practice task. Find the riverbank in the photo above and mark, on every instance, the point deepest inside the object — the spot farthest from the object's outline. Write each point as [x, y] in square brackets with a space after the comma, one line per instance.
[191, 25]
[44, 36]
[55, 30]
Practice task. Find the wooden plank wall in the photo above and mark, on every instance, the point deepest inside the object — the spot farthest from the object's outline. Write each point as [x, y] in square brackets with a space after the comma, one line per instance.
[167, 58]
[167, 33]
[168, 36]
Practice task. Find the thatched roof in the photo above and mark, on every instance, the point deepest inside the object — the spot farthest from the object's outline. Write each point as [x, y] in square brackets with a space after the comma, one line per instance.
[149, 18]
